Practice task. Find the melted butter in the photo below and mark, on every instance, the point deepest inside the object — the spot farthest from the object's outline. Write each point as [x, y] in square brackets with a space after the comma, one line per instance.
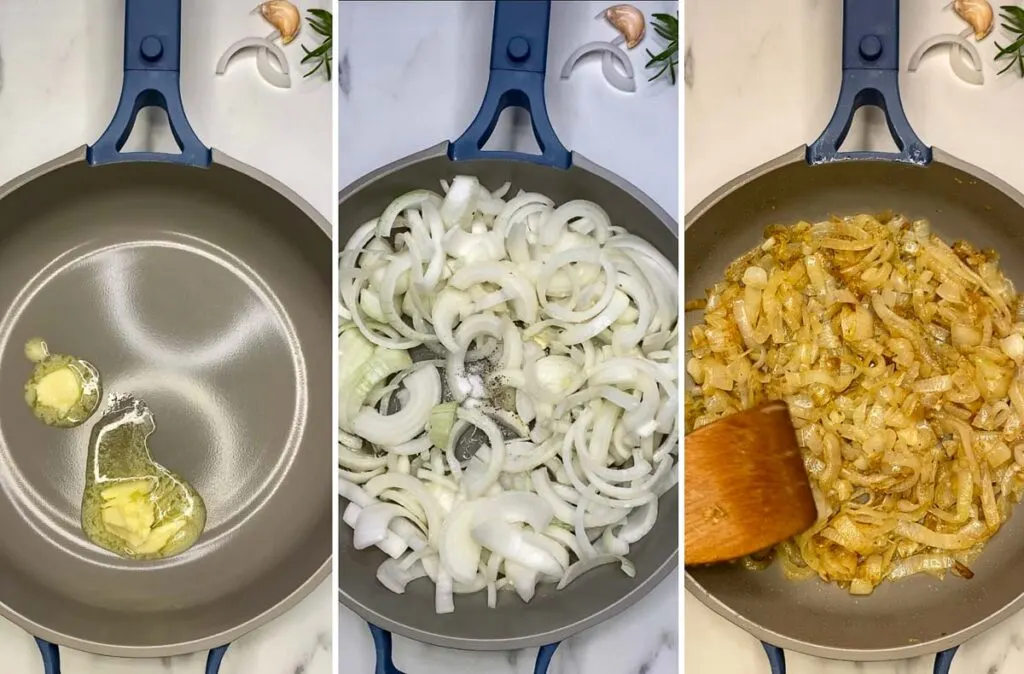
[63, 390]
[133, 506]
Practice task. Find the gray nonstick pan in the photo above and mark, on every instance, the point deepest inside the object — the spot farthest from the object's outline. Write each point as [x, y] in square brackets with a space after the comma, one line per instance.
[203, 287]
[919, 615]
[518, 61]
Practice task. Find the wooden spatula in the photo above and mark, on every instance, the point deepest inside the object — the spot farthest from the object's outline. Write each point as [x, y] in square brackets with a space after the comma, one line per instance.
[746, 486]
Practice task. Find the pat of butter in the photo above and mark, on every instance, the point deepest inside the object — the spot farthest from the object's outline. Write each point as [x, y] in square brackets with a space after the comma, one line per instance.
[159, 536]
[130, 520]
[125, 490]
[60, 390]
[128, 513]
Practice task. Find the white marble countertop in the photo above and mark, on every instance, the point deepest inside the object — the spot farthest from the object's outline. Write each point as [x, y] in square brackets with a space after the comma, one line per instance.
[61, 76]
[415, 78]
[765, 77]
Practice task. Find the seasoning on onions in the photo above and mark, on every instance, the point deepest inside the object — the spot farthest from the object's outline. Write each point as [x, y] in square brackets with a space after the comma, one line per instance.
[508, 390]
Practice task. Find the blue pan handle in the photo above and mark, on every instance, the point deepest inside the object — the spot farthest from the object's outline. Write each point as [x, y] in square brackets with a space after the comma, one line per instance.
[386, 664]
[51, 657]
[519, 55]
[944, 660]
[870, 77]
[777, 659]
[152, 56]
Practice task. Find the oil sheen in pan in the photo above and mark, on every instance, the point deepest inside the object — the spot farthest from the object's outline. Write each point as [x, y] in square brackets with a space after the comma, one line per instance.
[133, 506]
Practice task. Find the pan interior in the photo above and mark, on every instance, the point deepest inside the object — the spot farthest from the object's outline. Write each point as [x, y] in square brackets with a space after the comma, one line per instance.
[208, 295]
[912, 616]
[551, 615]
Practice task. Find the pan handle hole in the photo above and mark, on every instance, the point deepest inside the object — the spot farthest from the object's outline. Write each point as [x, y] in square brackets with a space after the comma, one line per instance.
[869, 130]
[151, 132]
[513, 131]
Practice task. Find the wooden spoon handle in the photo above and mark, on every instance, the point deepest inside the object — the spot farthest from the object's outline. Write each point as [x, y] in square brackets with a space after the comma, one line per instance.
[746, 488]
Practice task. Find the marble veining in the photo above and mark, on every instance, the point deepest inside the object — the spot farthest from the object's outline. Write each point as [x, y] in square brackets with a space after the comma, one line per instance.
[770, 73]
[61, 82]
[419, 78]
[688, 67]
[344, 74]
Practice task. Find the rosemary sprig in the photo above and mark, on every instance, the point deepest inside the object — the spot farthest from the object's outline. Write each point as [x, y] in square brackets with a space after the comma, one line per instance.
[667, 27]
[322, 23]
[1013, 22]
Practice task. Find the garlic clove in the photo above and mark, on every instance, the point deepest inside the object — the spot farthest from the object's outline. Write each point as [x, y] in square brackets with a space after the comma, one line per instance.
[978, 13]
[629, 21]
[283, 16]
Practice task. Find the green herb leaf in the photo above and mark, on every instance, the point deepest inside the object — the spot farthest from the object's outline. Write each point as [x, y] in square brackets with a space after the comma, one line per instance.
[667, 27]
[1013, 22]
[322, 23]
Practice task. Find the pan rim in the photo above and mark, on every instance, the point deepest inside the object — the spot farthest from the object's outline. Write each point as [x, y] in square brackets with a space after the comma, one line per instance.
[798, 155]
[219, 158]
[515, 643]
[222, 638]
[641, 589]
[302, 590]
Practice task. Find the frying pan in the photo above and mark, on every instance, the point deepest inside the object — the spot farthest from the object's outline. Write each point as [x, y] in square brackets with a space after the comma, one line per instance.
[518, 60]
[203, 287]
[920, 615]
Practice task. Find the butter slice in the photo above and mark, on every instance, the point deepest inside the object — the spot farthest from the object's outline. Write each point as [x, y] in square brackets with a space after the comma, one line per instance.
[60, 390]
[159, 536]
[127, 512]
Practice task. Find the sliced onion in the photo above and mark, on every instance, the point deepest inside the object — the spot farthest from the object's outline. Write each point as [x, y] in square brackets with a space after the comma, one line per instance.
[395, 577]
[444, 593]
[585, 331]
[459, 552]
[515, 507]
[622, 81]
[514, 544]
[505, 275]
[266, 47]
[278, 78]
[424, 387]
[468, 276]
[639, 523]
[941, 39]
[359, 461]
[458, 201]
[523, 579]
[412, 447]
[581, 567]
[931, 563]
[962, 70]
[373, 524]
[592, 47]
[497, 447]
[390, 543]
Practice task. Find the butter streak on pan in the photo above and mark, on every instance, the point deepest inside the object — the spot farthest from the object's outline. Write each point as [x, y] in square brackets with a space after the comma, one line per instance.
[133, 506]
[63, 391]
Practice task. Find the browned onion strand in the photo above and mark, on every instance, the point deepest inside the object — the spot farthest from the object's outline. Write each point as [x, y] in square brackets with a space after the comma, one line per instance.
[900, 358]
